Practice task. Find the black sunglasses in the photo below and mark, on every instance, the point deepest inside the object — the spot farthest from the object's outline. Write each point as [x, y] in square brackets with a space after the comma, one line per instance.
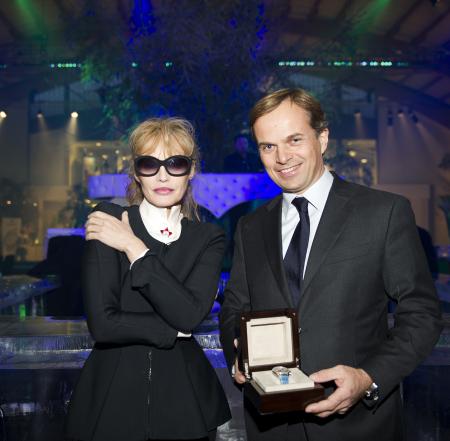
[177, 165]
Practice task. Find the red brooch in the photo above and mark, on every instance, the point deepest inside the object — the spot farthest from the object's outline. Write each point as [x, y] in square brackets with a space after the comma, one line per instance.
[166, 232]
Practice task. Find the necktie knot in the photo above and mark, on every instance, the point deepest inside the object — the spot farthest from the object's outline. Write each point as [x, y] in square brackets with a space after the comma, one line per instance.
[301, 204]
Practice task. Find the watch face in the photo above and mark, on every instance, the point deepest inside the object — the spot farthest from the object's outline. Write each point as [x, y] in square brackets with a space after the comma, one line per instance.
[281, 370]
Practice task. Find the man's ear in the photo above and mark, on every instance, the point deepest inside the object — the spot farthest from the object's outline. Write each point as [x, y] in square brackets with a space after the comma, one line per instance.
[323, 139]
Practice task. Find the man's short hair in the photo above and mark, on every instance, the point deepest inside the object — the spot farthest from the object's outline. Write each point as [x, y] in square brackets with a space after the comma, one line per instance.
[297, 96]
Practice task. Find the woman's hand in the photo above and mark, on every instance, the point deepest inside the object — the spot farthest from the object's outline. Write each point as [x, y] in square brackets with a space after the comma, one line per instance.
[115, 233]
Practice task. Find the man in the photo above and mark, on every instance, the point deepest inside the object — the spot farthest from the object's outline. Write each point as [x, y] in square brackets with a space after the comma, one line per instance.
[338, 255]
[241, 160]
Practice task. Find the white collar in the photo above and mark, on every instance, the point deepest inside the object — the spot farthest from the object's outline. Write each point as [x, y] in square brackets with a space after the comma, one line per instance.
[317, 194]
[161, 223]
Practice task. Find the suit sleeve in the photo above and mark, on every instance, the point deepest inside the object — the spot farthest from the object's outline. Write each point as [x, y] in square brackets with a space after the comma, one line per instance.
[418, 316]
[182, 305]
[236, 300]
[107, 322]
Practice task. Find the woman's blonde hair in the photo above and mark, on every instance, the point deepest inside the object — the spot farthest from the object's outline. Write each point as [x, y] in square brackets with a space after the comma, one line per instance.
[172, 133]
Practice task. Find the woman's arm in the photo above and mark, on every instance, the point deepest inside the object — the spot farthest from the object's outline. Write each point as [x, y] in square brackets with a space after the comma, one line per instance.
[107, 322]
[182, 306]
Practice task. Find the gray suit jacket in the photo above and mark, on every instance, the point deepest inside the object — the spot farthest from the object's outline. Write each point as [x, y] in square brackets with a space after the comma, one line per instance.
[366, 251]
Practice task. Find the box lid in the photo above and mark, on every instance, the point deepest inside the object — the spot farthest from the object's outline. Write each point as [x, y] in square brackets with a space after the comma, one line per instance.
[268, 339]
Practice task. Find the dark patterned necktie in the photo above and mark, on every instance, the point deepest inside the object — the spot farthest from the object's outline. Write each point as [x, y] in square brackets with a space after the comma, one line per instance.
[294, 260]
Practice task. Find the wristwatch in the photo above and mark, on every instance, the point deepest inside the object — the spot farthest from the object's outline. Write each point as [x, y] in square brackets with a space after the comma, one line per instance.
[282, 373]
[373, 393]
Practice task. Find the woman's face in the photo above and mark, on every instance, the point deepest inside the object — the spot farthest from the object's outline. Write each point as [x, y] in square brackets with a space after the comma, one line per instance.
[163, 190]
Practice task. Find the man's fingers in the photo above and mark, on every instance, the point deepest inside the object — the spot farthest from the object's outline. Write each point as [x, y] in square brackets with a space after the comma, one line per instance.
[324, 414]
[327, 411]
[239, 377]
[336, 401]
[327, 414]
[327, 405]
[326, 375]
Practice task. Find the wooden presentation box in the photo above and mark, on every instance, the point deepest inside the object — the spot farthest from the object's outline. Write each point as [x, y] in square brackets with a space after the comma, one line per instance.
[269, 339]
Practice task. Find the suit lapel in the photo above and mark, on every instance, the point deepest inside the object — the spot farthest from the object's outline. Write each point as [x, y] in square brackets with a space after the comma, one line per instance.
[332, 221]
[273, 245]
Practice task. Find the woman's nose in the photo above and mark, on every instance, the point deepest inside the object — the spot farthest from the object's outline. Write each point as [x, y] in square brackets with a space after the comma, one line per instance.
[163, 176]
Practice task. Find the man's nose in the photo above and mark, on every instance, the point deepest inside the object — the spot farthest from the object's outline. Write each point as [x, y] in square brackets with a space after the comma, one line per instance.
[283, 155]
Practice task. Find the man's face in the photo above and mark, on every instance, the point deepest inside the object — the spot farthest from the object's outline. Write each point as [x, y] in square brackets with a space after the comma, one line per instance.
[289, 147]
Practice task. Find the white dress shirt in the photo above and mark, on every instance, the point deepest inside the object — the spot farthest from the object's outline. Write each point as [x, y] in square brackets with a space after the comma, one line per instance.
[317, 196]
[162, 226]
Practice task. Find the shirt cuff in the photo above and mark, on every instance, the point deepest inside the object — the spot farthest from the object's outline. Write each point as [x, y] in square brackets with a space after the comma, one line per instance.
[182, 334]
[139, 257]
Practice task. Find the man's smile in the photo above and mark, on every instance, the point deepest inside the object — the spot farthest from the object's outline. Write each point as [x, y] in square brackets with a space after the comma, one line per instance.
[290, 171]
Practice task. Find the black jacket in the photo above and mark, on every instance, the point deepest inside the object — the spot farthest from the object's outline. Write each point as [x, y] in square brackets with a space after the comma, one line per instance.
[366, 250]
[141, 381]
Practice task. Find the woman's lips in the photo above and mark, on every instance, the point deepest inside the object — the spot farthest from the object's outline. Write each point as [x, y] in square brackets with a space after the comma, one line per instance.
[163, 190]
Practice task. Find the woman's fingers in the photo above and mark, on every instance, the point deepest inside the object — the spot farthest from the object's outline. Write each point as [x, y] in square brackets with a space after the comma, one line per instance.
[93, 223]
[91, 235]
[116, 233]
[102, 222]
[100, 215]
[93, 228]
[125, 218]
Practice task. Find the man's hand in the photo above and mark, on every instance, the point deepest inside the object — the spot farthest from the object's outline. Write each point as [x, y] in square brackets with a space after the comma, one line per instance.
[351, 384]
[238, 376]
[114, 233]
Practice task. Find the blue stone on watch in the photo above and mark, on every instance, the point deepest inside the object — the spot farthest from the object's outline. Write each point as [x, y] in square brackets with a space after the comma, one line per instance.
[282, 373]
[284, 378]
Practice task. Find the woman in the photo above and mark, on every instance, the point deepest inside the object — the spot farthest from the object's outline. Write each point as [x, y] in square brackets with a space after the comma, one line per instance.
[150, 274]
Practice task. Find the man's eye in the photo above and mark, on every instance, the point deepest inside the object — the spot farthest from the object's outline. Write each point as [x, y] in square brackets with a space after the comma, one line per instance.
[267, 147]
[296, 140]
